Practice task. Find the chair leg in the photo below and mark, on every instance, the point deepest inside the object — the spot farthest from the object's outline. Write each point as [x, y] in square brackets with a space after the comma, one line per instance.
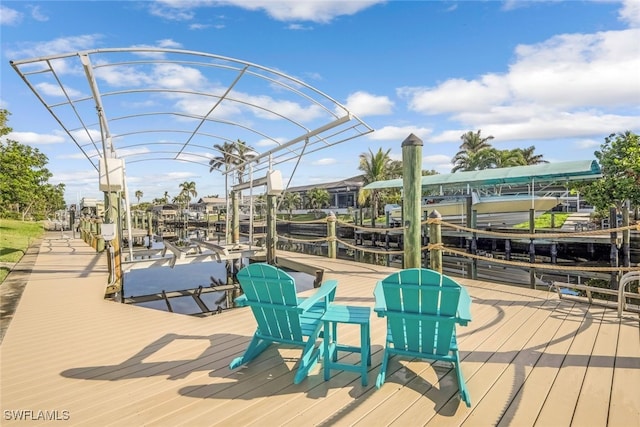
[383, 368]
[256, 346]
[462, 385]
[310, 356]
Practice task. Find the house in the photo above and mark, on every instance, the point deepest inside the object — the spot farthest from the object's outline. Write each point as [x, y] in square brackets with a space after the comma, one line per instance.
[342, 194]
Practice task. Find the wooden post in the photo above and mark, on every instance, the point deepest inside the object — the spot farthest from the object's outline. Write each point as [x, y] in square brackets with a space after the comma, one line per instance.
[435, 237]
[412, 186]
[474, 244]
[271, 229]
[613, 256]
[331, 235]
[626, 235]
[234, 233]
[150, 228]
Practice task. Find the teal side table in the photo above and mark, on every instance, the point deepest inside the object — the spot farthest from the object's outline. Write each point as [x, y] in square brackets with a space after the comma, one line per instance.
[334, 315]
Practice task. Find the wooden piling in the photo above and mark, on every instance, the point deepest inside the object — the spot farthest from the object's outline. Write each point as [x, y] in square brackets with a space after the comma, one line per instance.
[412, 205]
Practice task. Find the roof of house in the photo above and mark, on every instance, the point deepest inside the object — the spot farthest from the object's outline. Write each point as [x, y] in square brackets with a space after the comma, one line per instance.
[353, 182]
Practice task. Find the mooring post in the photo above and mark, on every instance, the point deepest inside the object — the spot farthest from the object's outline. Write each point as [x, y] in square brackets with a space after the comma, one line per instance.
[412, 186]
[435, 238]
[626, 235]
[613, 256]
[271, 229]
[532, 248]
[331, 235]
[474, 244]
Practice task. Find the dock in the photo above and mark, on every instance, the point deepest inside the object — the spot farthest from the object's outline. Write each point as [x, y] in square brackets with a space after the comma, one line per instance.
[529, 358]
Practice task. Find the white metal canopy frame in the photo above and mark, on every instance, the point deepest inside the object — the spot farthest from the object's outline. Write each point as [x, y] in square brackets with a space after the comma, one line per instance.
[153, 104]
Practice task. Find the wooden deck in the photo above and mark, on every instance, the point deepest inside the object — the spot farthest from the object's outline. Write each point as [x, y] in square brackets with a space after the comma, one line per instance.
[528, 358]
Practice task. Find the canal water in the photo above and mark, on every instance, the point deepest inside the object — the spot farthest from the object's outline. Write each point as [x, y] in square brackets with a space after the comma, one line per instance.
[147, 281]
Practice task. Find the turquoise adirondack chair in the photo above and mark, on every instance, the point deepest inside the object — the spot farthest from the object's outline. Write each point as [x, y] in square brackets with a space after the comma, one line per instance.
[422, 308]
[282, 317]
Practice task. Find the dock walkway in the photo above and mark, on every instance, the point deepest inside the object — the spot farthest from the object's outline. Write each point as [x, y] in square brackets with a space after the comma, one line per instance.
[528, 358]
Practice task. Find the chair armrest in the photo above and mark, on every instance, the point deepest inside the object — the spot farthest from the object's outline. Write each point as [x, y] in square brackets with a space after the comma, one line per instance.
[464, 306]
[326, 292]
[241, 301]
[380, 306]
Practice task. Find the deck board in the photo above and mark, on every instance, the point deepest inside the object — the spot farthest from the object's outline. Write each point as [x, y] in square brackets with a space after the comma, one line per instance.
[528, 358]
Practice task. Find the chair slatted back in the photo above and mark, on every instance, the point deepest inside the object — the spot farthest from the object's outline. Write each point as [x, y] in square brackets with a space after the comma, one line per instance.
[421, 310]
[271, 293]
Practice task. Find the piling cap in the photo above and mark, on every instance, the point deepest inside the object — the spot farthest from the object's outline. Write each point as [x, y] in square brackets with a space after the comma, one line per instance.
[412, 140]
[435, 214]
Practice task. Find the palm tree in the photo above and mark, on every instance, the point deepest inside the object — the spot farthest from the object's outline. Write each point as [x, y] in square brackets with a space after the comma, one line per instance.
[472, 154]
[165, 197]
[138, 195]
[317, 199]
[244, 155]
[188, 189]
[376, 167]
[225, 159]
[290, 201]
[506, 158]
[530, 158]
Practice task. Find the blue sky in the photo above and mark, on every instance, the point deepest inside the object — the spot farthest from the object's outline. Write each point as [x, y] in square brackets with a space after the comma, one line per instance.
[557, 75]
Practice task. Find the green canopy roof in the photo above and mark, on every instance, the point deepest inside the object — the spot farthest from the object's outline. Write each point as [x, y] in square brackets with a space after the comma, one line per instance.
[518, 175]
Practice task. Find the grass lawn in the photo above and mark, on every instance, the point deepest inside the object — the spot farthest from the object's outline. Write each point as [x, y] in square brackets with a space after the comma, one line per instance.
[544, 221]
[15, 238]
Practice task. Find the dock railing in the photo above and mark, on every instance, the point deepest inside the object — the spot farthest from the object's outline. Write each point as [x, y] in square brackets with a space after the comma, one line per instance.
[623, 277]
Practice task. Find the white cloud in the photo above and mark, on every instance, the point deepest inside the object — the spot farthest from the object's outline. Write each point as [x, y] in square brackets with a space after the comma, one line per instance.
[324, 162]
[438, 162]
[399, 133]
[9, 16]
[365, 104]
[573, 70]
[285, 10]
[630, 13]
[55, 90]
[33, 138]
[457, 95]
[56, 46]
[571, 85]
[587, 143]
[36, 13]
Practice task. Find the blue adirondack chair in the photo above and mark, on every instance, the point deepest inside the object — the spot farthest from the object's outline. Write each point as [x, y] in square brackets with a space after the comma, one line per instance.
[422, 308]
[282, 317]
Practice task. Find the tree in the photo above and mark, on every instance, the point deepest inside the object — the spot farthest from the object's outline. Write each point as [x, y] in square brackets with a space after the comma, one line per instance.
[290, 201]
[138, 195]
[317, 199]
[619, 159]
[24, 178]
[376, 167]
[506, 158]
[530, 158]
[244, 155]
[187, 190]
[474, 152]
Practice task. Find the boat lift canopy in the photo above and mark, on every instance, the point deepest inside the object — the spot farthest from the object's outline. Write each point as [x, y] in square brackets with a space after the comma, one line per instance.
[154, 104]
[518, 175]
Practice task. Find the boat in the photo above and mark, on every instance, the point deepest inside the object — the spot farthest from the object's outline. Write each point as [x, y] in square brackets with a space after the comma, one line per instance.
[492, 210]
